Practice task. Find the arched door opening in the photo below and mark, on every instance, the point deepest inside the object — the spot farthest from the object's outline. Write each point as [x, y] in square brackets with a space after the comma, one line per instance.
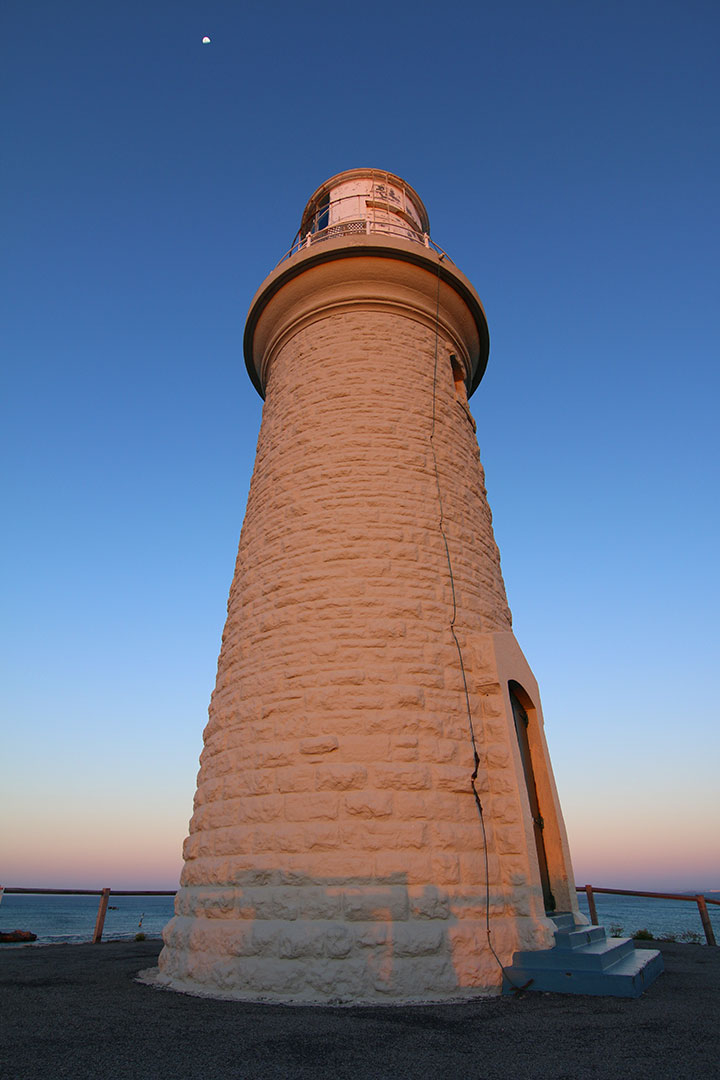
[522, 723]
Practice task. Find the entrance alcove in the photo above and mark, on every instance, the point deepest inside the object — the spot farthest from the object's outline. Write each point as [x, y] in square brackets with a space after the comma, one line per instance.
[539, 789]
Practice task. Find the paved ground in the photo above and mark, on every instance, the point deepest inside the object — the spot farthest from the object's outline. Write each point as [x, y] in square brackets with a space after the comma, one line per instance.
[75, 1011]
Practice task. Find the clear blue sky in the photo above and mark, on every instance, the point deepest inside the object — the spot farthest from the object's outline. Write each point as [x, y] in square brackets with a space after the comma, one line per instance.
[568, 155]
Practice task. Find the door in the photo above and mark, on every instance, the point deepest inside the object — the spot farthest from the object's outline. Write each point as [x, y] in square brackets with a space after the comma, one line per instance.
[521, 727]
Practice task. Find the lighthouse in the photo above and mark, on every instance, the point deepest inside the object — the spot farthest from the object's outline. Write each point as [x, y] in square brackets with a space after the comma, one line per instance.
[376, 818]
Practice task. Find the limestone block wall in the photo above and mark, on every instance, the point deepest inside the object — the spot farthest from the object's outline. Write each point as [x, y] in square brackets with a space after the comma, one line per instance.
[335, 851]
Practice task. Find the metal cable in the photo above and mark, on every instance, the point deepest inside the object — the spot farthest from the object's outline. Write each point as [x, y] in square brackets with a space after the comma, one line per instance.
[476, 758]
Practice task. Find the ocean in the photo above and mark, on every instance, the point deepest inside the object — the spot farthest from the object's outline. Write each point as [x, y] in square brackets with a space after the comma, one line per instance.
[623, 916]
[71, 919]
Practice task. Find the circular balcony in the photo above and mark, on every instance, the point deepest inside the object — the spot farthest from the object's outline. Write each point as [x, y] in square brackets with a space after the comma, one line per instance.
[363, 202]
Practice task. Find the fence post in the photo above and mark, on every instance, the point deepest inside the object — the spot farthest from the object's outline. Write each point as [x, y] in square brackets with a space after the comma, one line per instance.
[705, 918]
[591, 905]
[100, 921]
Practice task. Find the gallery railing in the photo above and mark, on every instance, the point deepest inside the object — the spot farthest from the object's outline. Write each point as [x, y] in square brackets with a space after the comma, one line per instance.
[701, 901]
[332, 220]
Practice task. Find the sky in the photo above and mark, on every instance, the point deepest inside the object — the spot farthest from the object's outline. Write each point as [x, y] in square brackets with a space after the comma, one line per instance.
[567, 153]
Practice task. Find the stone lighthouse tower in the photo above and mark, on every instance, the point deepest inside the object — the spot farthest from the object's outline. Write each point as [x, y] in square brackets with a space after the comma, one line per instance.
[375, 817]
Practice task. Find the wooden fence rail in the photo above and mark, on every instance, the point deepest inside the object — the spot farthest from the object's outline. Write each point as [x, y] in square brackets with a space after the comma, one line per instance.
[589, 890]
[104, 895]
[701, 901]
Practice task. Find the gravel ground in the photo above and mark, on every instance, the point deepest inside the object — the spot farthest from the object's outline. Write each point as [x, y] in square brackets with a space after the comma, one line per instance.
[76, 1011]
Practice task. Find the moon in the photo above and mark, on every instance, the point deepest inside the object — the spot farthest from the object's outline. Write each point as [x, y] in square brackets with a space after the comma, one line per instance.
[206, 41]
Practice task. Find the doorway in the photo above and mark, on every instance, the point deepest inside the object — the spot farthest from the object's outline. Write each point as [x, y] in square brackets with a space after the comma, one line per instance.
[522, 724]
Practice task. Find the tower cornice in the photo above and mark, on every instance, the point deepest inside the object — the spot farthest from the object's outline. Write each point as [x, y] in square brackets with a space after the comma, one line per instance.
[462, 310]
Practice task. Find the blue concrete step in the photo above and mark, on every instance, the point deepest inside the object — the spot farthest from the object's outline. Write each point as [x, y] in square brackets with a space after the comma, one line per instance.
[628, 978]
[596, 956]
[579, 935]
[584, 961]
[563, 919]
